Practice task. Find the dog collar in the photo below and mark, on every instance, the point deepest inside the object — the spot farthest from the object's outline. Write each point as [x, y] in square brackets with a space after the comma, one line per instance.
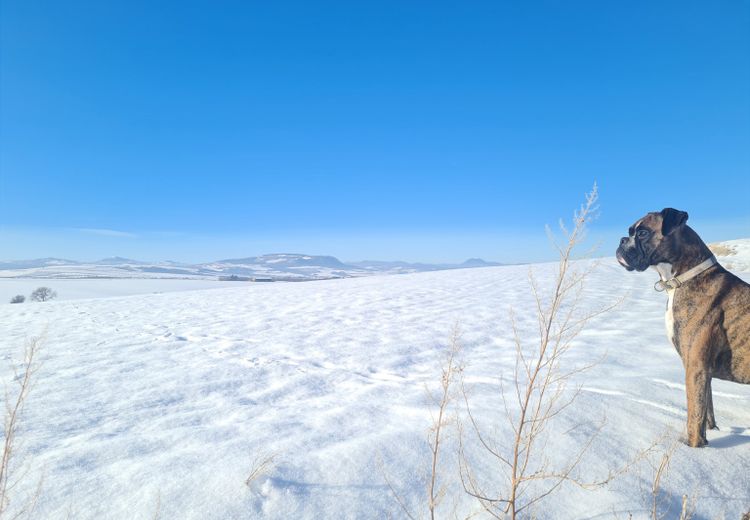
[677, 281]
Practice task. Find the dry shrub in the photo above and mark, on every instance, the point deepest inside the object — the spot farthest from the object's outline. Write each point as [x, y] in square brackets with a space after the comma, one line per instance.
[721, 250]
[539, 391]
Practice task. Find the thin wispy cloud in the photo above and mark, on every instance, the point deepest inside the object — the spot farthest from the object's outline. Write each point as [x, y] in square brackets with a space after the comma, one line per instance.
[107, 232]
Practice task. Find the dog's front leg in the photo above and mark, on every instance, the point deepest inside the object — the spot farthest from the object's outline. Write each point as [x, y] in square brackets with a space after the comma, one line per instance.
[710, 417]
[696, 379]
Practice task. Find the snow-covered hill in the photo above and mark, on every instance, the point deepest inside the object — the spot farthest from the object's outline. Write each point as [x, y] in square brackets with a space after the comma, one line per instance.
[733, 254]
[284, 266]
[161, 403]
[48, 268]
[281, 266]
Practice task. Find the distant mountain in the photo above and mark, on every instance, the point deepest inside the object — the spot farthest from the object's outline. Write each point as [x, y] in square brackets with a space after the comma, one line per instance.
[393, 266]
[38, 262]
[284, 266]
[406, 267]
[289, 260]
[478, 262]
[277, 266]
[118, 260]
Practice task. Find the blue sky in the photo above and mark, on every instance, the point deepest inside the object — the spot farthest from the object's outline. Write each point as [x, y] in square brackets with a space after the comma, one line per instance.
[430, 131]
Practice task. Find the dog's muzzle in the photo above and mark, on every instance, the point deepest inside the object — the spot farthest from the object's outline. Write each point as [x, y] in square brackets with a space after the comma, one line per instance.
[630, 257]
[622, 261]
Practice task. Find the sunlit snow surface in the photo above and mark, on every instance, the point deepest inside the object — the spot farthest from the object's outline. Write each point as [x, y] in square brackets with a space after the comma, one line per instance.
[161, 402]
[72, 289]
[734, 254]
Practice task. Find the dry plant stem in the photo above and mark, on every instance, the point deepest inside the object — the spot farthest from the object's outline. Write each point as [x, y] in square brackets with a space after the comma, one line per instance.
[449, 372]
[540, 386]
[13, 408]
[540, 371]
[260, 466]
[684, 511]
[660, 470]
[396, 495]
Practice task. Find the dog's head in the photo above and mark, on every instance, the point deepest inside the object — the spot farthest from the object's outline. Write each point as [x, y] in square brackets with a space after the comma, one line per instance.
[652, 240]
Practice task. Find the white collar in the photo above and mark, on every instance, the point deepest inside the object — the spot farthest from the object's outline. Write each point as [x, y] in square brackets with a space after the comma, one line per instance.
[677, 281]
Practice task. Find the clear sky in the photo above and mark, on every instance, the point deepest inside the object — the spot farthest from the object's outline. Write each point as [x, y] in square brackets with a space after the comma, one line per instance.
[432, 131]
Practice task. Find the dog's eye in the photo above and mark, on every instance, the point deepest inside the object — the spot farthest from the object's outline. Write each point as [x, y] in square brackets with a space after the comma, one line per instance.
[642, 233]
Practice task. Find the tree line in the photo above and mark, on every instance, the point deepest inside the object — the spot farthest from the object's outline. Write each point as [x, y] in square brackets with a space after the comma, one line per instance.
[40, 294]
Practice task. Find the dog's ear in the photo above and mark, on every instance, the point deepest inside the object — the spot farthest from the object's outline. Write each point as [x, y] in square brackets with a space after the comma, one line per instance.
[671, 219]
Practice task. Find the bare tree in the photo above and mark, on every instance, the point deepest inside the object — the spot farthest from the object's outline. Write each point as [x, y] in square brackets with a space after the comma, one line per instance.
[539, 390]
[14, 405]
[19, 298]
[42, 294]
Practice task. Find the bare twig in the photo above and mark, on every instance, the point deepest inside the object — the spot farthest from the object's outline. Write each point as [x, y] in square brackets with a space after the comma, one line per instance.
[440, 400]
[396, 495]
[260, 466]
[450, 371]
[14, 405]
[661, 469]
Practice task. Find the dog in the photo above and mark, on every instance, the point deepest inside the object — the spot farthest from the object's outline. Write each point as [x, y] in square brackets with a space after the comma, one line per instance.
[708, 309]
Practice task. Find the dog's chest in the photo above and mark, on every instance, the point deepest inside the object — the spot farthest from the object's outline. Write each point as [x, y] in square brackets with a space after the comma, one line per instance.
[669, 318]
[665, 272]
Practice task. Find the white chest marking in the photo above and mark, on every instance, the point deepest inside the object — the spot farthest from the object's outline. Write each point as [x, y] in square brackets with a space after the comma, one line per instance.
[665, 272]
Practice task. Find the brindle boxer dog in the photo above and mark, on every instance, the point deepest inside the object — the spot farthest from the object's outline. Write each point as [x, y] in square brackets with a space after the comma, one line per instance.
[708, 309]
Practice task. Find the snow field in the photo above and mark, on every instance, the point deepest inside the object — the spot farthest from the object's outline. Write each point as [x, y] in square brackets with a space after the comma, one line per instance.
[163, 401]
[77, 289]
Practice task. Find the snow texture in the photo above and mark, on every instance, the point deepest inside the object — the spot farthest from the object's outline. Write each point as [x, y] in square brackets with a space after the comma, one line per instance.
[161, 402]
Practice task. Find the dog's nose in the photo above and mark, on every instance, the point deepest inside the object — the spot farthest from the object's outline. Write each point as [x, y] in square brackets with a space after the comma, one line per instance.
[624, 240]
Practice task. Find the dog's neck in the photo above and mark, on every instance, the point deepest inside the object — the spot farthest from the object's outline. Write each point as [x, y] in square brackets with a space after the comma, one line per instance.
[665, 270]
[693, 251]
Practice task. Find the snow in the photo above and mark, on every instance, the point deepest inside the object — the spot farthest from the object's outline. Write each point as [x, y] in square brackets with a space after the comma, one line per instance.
[734, 254]
[72, 289]
[161, 402]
